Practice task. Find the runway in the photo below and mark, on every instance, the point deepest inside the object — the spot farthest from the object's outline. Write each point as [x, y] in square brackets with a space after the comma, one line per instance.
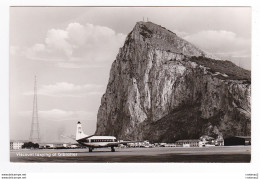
[225, 154]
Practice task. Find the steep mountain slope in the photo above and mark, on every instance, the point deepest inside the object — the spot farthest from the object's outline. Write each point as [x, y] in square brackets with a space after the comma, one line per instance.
[162, 88]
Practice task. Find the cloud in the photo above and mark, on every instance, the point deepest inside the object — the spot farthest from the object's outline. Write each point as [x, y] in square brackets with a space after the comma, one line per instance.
[61, 115]
[79, 65]
[58, 114]
[78, 46]
[180, 33]
[220, 42]
[64, 89]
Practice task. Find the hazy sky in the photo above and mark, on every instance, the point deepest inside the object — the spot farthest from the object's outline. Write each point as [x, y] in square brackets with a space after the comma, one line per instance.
[71, 50]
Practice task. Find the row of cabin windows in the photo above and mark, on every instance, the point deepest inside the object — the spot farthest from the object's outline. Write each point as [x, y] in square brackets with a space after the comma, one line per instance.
[187, 143]
[103, 140]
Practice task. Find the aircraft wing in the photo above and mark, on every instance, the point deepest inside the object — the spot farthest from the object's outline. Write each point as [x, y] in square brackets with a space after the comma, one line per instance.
[74, 138]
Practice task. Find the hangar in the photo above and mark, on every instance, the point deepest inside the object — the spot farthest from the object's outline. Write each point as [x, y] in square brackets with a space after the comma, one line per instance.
[237, 140]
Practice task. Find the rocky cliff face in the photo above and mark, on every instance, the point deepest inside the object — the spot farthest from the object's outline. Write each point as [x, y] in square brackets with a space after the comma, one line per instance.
[162, 88]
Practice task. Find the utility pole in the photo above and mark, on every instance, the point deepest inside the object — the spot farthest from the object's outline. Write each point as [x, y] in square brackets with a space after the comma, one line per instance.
[35, 131]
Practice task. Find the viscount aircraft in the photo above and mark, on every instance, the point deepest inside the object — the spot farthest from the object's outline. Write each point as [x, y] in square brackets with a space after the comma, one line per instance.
[92, 141]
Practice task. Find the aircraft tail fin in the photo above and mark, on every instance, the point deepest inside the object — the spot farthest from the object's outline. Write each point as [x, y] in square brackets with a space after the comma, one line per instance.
[79, 133]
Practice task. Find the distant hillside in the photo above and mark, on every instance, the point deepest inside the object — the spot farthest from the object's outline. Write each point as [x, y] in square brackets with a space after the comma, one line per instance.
[232, 71]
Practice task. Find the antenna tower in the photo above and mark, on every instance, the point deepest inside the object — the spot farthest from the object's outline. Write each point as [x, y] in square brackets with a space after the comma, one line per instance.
[35, 132]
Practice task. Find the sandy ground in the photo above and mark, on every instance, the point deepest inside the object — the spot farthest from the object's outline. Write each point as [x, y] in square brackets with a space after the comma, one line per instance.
[234, 154]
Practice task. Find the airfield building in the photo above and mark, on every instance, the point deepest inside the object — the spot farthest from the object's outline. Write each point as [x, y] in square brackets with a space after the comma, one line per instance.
[188, 143]
[16, 145]
[58, 145]
[237, 140]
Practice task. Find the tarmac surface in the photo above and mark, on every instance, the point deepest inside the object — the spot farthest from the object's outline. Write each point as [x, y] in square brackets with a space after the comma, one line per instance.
[218, 154]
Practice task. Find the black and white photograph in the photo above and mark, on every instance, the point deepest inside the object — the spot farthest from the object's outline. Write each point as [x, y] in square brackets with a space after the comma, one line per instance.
[130, 84]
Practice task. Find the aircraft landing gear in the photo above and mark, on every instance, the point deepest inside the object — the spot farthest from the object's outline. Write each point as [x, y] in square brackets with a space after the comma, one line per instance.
[112, 149]
[90, 149]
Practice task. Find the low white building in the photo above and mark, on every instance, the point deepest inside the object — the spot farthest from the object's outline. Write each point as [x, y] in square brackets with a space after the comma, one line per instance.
[74, 146]
[170, 145]
[188, 143]
[16, 144]
[57, 145]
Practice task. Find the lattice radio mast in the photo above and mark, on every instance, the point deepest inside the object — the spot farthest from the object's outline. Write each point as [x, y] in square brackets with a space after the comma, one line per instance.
[35, 131]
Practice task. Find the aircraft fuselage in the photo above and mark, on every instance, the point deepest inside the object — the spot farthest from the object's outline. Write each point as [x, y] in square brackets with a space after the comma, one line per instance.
[98, 141]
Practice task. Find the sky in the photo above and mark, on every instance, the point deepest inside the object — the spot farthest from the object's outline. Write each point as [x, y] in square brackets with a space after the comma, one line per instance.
[71, 49]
